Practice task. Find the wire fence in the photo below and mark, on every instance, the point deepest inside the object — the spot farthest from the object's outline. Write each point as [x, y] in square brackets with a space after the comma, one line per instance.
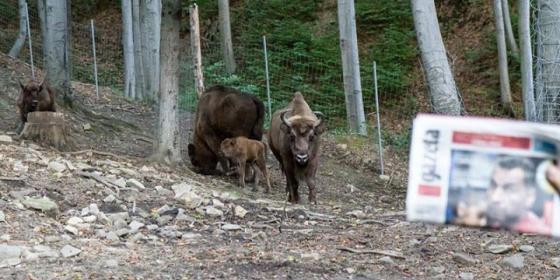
[318, 78]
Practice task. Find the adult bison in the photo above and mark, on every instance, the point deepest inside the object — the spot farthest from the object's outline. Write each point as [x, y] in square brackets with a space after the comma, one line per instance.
[294, 138]
[222, 113]
[34, 97]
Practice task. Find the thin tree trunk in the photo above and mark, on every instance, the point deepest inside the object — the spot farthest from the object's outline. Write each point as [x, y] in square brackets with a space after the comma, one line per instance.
[509, 30]
[20, 41]
[350, 57]
[128, 50]
[505, 91]
[137, 41]
[443, 91]
[43, 25]
[151, 24]
[168, 148]
[225, 30]
[526, 60]
[195, 50]
[57, 56]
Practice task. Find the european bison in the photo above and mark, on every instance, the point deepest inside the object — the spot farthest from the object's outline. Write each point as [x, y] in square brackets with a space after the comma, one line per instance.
[294, 139]
[34, 97]
[242, 151]
[222, 113]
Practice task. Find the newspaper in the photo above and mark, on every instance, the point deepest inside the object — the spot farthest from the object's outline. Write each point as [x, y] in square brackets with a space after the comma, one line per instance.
[483, 172]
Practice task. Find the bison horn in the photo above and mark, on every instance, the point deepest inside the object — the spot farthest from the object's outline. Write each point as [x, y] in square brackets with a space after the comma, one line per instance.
[320, 116]
[284, 120]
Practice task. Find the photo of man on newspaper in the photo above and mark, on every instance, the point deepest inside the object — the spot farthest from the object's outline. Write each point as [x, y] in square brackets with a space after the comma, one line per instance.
[499, 191]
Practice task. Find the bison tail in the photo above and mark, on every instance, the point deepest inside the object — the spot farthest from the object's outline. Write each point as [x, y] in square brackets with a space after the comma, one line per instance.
[257, 132]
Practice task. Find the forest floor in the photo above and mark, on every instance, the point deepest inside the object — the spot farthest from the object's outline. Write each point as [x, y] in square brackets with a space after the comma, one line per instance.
[119, 216]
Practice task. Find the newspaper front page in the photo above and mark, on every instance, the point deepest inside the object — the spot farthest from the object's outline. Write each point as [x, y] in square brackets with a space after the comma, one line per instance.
[483, 172]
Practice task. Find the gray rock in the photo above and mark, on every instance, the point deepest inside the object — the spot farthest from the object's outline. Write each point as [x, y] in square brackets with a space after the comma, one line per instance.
[135, 184]
[86, 126]
[181, 216]
[9, 262]
[137, 237]
[21, 194]
[463, 259]
[90, 219]
[5, 139]
[69, 251]
[314, 256]
[387, 260]
[213, 212]
[45, 251]
[122, 232]
[121, 183]
[163, 191]
[2, 217]
[191, 200]
[438, 269]
[555, 262]
[499, 248]
[152, 227]
[384, 177]
[231, 227]
[110, 198]
[190, 236]
[5, 237]
[56, 166]
[135, 226]
[73, 221]
[72, 229]
[217, 203]
[181, 189]
[163, 209]
[10, 251]
[112, 236]
[357, 214]
[466, 276]
[93, 209]
[526, 248]
[240, 211]
[44, 204]
[112, 263]
[52, 239]
[101, 233]
[163, 220]
[516, 261]
[113, 217]
[169, 232]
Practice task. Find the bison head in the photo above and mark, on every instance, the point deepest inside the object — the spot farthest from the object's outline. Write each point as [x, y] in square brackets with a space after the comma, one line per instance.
[202, 159]
[227, 147]
[303, 133]
[30, 94]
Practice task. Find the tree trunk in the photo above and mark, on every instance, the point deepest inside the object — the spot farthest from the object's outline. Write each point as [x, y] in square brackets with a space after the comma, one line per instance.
[505, 91]
[548, 48]
[526, 60]
[56, 52]
[43, 24]
[442, 89]
[151, 24]
[128, 50]
[509, 30]
[167, 148]
[20, 41]
[195, 50]
[46, 128]
[137, 40]
[225, 30]
[351, 66]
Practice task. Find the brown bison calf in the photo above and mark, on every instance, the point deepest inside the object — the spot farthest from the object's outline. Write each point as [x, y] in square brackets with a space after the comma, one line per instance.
[34, 97]
[244, 151]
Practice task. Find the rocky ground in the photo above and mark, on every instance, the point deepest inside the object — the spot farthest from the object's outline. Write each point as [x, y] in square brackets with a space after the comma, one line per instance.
[103, 212]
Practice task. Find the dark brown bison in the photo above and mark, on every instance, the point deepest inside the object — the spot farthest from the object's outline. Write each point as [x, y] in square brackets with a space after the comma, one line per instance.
[242, 152]
[34, 97]
[294, 139]
[222, 113]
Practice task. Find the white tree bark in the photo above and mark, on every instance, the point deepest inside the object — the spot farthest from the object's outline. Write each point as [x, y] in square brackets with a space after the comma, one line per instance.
[56, 55]
[20, 41]
[195, 50]
[351, 66]
[225, 30]
[505, 91]
[151, 24]
[168, 148]
[526, 60]
[128, 50]
[137, 41]
[509, 30]
[42, 23]
[442, 89]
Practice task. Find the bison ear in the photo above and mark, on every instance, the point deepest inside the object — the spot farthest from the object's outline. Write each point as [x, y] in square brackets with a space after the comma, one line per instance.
[285, 128]
[319, 129]
[191, 150]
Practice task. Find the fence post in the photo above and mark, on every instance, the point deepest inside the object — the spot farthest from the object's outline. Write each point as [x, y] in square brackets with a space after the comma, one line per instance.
[377, 110]
[29, 40]
[195, 49]
[94, 59]
[267, 79]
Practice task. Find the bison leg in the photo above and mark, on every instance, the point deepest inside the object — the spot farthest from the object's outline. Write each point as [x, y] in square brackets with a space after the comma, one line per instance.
[256, 181]
[292, 187]
[241, 170]
[261, 163]
[19, 128]
[311, 186]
